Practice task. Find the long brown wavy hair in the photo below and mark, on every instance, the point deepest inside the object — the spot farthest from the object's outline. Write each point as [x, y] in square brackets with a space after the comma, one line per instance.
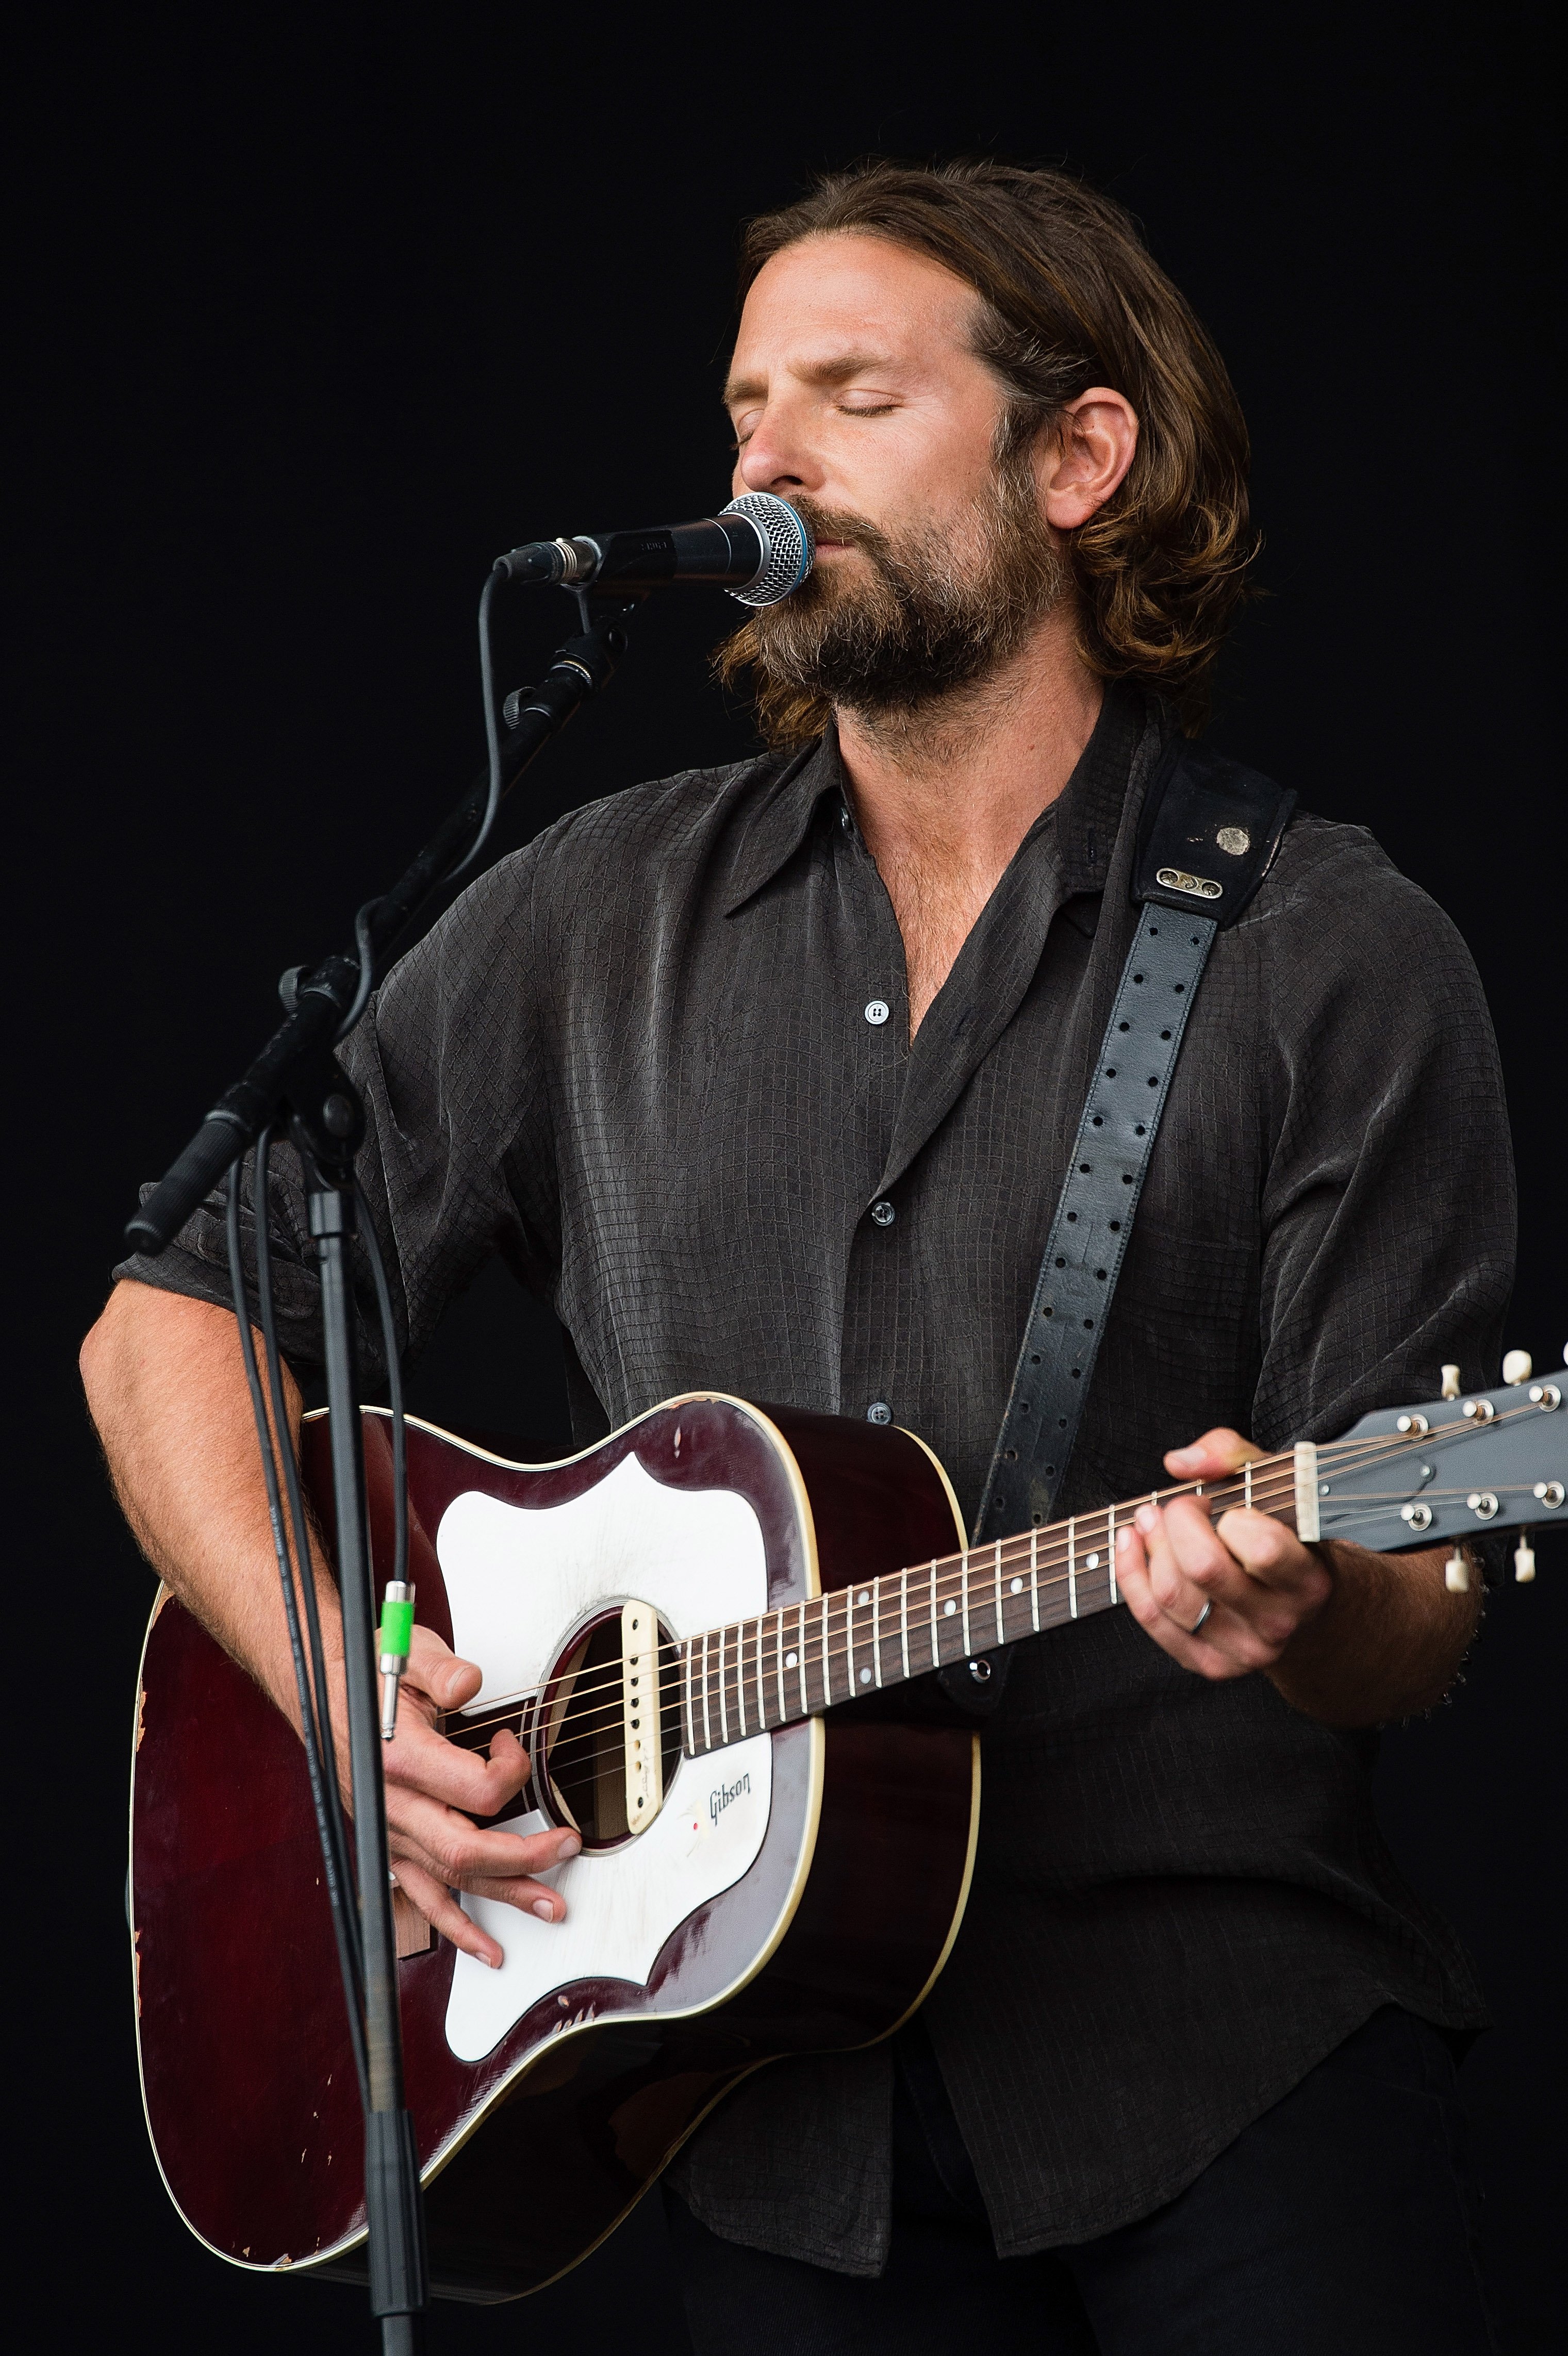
[1069, 297]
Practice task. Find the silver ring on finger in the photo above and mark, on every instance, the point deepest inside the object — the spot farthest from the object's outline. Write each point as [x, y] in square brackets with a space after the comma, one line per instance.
[1197, 1624]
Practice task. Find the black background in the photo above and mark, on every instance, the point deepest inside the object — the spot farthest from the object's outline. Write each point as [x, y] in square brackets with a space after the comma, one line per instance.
[318, 312]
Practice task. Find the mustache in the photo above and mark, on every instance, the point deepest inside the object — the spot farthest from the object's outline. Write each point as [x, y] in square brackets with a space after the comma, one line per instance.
[840, 524]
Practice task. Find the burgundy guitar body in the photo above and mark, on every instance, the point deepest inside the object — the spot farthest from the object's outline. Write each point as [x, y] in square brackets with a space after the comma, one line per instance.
[798, 1894]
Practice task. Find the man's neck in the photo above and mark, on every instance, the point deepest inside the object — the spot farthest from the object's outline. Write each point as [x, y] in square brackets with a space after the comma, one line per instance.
[944, 796]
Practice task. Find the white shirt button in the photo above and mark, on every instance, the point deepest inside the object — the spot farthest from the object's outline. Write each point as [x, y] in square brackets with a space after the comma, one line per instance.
[878, 1412]
[877, 1011]
[883, 1214]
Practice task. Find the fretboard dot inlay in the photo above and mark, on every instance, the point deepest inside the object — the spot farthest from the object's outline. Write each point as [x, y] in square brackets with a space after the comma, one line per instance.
[791, 1660]
[1017, 1588]
[1091, 1562]
[950, 1608]
[865, 1677]
[865, 1597]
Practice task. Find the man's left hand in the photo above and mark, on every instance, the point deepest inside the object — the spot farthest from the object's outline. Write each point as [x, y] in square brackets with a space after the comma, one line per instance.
[1260, 1584]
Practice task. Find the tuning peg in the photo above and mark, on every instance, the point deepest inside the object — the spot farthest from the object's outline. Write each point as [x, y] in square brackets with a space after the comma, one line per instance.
[1456, 1574]
[1518, 1367]
[1450, 1382]
[1524, 1559]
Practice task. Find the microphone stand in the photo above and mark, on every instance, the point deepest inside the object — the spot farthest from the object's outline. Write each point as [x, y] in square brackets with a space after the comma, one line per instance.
[296, 1075]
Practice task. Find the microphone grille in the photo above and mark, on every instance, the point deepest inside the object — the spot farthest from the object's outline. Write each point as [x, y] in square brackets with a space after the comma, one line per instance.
[789, 550]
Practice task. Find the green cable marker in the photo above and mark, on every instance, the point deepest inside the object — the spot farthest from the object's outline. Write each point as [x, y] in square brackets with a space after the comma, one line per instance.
[397, 1632]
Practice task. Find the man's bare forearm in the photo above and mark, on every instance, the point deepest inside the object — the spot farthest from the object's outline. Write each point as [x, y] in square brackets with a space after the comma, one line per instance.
[166, 1387]
[1386, 1645]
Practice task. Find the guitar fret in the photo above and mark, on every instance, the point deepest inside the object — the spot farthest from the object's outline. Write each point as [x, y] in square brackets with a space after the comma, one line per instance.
[771, 1701]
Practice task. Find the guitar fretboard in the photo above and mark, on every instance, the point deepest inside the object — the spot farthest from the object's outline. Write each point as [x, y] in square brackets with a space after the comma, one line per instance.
[755, 1675]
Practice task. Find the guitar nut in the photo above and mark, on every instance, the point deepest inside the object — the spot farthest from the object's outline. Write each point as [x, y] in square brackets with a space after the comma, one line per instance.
[1549, 1493]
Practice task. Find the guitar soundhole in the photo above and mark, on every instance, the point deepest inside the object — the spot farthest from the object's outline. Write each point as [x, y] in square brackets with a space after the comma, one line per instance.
[585, 1737]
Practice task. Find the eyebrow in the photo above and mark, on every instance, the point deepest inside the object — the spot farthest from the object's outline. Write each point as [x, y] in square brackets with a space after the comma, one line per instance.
[833, 371]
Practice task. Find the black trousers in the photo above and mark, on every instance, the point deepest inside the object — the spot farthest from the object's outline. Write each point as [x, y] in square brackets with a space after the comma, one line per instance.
[1343, 2223]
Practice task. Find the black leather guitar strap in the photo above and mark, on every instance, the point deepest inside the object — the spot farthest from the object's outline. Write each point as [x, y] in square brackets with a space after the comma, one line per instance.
[1209, 834]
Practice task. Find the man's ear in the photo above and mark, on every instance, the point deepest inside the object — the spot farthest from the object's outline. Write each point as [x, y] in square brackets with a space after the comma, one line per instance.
[1085, 455]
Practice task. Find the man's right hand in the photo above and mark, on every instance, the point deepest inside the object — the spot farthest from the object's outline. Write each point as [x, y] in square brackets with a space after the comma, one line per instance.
[434, 1789]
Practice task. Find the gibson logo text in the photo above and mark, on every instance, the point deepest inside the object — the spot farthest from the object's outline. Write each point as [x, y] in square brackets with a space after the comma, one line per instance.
[720, 1800]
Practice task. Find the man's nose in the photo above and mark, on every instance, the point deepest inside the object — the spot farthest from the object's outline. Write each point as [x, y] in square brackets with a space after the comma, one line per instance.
[776, 458]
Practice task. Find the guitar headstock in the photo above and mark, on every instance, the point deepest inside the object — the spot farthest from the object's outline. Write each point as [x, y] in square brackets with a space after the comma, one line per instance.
[1452, 1468]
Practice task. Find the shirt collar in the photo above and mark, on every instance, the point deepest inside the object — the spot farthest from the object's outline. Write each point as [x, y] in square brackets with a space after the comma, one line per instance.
[1081, 822]
[783, 816]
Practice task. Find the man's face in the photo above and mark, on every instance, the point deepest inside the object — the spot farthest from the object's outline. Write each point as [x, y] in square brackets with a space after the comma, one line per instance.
[856, 394]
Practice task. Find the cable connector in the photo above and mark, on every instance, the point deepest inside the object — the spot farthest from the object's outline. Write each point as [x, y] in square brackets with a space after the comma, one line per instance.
[396, 1629]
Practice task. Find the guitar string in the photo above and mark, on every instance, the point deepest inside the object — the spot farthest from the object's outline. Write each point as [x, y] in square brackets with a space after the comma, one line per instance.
[1269, 1469]
[950, 1571]
[580, 1732]
[1276, 1486]
[754, 1664]
[588, 1727]
[1274, 1473]
[586, 1724]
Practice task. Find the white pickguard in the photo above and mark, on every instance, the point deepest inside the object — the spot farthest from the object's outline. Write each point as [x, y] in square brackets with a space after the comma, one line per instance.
[517, 1579]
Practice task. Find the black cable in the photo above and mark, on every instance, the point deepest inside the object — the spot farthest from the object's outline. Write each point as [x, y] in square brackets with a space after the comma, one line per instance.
[344, 1921]
[362, 942]
[326, 1741]
[492, 734]
[366, 982]
[394, 1390]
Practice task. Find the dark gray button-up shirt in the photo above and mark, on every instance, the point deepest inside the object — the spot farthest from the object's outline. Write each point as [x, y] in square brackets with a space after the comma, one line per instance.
[660, 1060]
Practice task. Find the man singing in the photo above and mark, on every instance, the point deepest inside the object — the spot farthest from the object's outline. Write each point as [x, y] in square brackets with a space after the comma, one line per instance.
[766, 1079]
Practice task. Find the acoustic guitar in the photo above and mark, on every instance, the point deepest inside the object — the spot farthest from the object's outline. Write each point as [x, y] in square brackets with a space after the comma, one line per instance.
[672, 1622]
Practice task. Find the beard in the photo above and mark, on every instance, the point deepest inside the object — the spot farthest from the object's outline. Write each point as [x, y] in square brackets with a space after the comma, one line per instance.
[941, 611]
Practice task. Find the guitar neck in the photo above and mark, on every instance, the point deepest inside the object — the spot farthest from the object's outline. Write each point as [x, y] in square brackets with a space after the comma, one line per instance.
[755, 1675]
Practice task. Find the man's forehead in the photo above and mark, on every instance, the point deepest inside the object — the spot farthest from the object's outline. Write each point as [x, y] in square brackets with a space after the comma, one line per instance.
[831, 308]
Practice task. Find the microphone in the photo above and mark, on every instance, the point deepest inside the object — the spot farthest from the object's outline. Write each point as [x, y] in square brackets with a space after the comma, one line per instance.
[759, 549]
